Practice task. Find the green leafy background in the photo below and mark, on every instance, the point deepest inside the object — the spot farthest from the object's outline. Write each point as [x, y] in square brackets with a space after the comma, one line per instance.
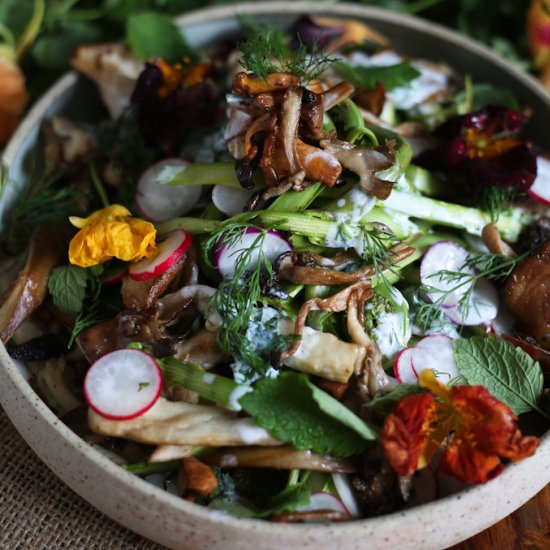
[67, 23]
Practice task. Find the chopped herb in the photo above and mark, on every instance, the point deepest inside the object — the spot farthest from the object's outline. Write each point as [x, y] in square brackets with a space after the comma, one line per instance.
[495, 199]
[143, 385]
[268, 51]
[44, 201]
[492, 266]
[237, 301]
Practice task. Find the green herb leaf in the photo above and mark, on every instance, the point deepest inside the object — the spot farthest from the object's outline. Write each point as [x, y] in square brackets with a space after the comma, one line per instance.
[67, 285]
[507, 372]
[485, 94]
[384, 404]
[286, 501]
[151, 34]
[52, 50]
[267, 50]
[393, 76]
[292, 409]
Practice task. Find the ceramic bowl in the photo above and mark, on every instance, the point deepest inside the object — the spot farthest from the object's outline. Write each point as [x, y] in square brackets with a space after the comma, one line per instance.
[176, 523]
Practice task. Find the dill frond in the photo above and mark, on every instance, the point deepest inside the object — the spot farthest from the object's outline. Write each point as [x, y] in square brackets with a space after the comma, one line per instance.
[267, 50]
[47, 200]
[495, 200]
[491, 266]
[237, 298]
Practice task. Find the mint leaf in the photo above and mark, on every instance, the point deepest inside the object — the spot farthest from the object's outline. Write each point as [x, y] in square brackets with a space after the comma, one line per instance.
[507, 372]
[151, 34]
[393, 76]
[67, 285]
[292, 409]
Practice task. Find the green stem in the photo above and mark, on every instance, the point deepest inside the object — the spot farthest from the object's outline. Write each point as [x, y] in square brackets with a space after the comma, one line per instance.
[215, 173]
[146, 468]
[219, 389]
[98, 186]
[31, 30]
[195, 226]
[296, 201]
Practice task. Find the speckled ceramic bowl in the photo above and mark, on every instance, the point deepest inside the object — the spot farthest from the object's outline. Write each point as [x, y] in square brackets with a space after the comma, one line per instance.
[177, 523]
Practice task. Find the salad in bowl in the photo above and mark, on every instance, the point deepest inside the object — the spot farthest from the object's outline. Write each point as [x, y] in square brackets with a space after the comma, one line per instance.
[295, 276]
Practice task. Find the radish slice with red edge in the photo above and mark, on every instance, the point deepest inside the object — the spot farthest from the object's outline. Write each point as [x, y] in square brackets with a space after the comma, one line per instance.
[481, 309]
[159, 201]
[229, 200]
[444, 255]
[343, 487]
[272, 244]
[540, 189]
[123, 384]
[435, 352]
[169, 250]
[403, 367]
[323, 501]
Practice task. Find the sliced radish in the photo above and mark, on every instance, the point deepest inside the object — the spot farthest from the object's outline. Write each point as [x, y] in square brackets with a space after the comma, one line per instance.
[342, 484]
[272, 245]
[444, 255]
[323, 501]
[230, 200]
[481, 309]
[435, 352]
[403, 367]
[170, 250]
[123, 384]
[540, 190]
[159, 201]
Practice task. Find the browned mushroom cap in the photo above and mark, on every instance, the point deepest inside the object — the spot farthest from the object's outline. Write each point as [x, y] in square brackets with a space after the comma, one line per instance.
[528, 295]
[336, 94]
[48, 249]
[195, 479]
[537, 353]
[318, 165]
[493, 241]
[288, 268]
[142, 295]
[282, 458]
[365, 162]
[248, 85]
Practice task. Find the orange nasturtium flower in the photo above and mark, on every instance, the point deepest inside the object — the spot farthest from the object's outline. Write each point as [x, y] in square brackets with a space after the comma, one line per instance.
[484, 431]
[111, 233]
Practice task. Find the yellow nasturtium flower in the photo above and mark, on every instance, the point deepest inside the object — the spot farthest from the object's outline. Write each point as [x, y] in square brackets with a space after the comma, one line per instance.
[111, 233]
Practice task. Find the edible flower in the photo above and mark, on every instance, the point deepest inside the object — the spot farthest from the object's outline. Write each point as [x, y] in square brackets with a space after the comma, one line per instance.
[473, 429]
[484, 148]
[111, 233]
[171, 98]
[538, 36]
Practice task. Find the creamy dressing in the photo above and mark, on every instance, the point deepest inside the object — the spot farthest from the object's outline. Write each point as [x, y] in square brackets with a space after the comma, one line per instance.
[392, 333]
[236, 394]
[251, 433]
[432, 79]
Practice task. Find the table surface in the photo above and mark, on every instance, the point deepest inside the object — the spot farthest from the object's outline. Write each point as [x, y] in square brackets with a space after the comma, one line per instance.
[38, 511]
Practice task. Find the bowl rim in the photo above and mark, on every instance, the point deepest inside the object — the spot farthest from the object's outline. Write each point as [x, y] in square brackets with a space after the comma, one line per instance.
[414, 515]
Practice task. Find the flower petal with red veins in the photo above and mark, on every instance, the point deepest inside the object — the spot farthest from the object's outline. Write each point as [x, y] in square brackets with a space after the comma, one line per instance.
[468, 464]
[404, 435]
